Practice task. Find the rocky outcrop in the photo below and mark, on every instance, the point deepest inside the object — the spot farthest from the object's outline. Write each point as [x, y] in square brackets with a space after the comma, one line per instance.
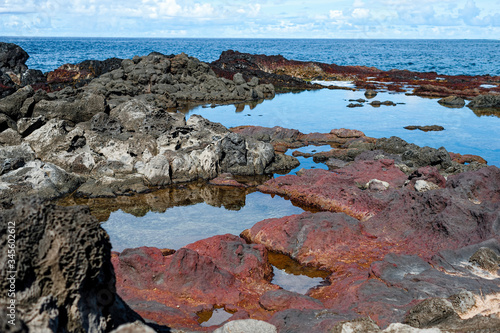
[290, 74]
[61, 262]
[485, 101]
[136, 146]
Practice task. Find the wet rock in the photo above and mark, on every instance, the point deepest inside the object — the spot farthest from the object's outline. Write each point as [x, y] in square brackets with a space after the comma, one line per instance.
[354, 105]
[247, 326]
[379, 103]
[73, 290]
[486, 259]
[467, 158]
[226, 179]
[485, 101]
[430, 313]
[452, 102]
[429, 128]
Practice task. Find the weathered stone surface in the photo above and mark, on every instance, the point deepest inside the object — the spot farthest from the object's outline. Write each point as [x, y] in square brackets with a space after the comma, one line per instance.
[15, 157]
[12, 58]
[486, 259]
[485, 101]
[64, 279]
[430, 312]
[339, 191]
[452, 102]
[247, 326]
[11, 105]
[35, 177]
[283, 299]
[76, 111]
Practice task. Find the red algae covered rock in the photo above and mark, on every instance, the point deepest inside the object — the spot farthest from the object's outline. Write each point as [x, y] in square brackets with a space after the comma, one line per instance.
[339, 191]
[218, 271]
[329, 241]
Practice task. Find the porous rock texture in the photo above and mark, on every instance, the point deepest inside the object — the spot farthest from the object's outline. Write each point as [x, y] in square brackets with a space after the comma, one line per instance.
[64, 280]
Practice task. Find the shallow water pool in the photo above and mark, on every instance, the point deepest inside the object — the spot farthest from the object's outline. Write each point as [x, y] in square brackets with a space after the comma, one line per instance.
[322, 110]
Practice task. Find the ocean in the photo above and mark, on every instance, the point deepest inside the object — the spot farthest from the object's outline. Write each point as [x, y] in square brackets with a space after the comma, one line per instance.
[453, 57]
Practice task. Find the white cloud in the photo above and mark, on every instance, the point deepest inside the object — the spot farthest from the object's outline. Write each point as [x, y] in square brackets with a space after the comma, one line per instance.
[360, 13]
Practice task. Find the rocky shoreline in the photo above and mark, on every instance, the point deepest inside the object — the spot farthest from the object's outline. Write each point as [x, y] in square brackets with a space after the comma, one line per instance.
[408, 236]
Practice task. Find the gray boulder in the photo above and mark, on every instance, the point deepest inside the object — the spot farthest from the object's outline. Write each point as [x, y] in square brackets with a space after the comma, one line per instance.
[11, 105]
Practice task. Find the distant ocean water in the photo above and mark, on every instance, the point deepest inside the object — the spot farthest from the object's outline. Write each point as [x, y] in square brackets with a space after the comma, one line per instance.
[452, 57]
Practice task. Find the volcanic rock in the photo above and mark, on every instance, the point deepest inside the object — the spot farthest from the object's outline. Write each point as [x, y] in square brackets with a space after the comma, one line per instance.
[425, 128]
[221, 270]
[64, 278]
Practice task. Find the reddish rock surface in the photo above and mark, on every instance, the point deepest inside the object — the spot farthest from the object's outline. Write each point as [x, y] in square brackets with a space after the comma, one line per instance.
[339, 191]
[221, 271]
[467, 158]
[291, 74]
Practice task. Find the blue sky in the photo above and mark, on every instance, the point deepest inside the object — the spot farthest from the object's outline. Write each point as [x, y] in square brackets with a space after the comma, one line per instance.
[252, 18]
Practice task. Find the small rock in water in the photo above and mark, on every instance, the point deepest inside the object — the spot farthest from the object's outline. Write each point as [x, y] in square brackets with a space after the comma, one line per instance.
[434, 128]
[452, 102]
[370, 93]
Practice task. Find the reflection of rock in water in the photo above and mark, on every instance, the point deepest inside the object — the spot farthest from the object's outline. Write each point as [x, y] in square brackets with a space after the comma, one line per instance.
[487, 112]
[159, 201]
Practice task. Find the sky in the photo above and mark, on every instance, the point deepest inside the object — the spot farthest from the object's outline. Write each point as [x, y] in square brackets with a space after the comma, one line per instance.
[441, 19]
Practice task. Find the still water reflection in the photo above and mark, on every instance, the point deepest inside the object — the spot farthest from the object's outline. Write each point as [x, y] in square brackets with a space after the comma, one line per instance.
[466, 132]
